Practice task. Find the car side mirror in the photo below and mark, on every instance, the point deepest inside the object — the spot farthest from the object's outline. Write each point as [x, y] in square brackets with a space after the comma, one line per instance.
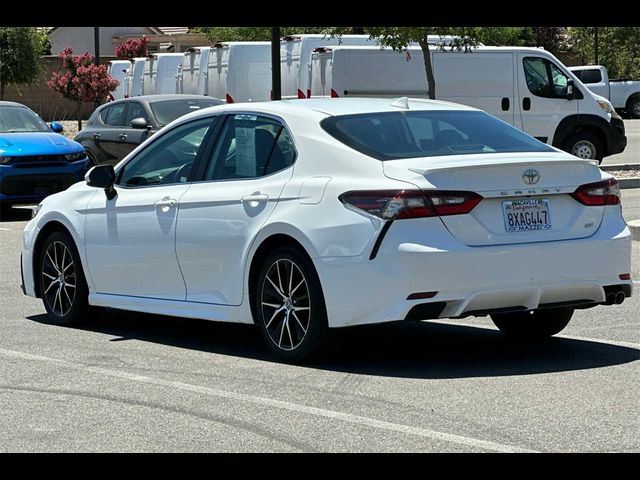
[571, 90]
[56, 127]
[139, 123]
[102, 176]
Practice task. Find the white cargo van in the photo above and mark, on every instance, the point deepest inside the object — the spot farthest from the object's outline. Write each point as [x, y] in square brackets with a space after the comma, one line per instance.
[526, 87]
[241, 71]
[136, 76]
[119, 70]
[194, 68]
[161, 73]
[295, 55]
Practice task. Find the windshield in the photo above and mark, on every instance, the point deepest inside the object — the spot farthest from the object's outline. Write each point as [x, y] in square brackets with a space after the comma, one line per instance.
[394, 135]
[168, 110]
[20, 119]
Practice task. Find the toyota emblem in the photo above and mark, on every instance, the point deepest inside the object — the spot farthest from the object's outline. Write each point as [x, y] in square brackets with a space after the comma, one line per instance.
[531, 177]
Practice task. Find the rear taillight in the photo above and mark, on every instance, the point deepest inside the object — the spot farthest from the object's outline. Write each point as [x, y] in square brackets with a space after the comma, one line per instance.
[602, 193]
[334, 94]
[399, 204]
[300, 94]
[229, 98]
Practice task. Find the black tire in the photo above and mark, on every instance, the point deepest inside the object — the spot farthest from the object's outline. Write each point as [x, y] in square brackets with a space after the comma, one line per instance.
[581, 143]
[533, 325]
[65, 296]
[633, 108]
[92, 158]
[293, 327]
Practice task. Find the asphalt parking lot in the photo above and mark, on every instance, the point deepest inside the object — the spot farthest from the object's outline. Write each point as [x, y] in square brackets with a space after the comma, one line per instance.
[134, 382]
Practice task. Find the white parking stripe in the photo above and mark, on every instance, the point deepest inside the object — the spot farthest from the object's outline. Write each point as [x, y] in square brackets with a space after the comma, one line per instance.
[294, 407]
[570, 337]
[7, 229]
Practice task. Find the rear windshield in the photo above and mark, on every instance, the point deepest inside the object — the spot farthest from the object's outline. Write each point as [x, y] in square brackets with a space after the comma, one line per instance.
[168, 110]
[394, 135]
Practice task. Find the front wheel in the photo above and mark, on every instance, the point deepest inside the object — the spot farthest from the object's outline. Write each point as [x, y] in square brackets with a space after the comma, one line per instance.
[585, 145]
[533, 325]
[289, 305]
[63, 287]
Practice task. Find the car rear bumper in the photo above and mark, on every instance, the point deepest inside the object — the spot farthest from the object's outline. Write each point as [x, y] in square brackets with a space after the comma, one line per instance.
[471, 280]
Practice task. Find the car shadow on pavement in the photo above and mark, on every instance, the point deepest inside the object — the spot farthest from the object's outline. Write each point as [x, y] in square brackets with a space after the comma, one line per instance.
[401, 349]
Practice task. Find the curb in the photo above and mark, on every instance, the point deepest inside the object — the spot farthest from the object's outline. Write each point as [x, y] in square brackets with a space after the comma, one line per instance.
[622, 166]
[634, 226]
[633, 182]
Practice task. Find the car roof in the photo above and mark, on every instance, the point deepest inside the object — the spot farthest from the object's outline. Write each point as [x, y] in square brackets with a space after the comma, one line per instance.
[348, 106]
[161, 98]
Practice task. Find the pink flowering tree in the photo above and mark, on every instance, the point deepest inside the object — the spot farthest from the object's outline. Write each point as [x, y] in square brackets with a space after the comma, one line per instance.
[81, 81]
[134, 47]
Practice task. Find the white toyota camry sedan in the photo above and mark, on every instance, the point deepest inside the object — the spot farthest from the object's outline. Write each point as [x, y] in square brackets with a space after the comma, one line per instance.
[300, 216]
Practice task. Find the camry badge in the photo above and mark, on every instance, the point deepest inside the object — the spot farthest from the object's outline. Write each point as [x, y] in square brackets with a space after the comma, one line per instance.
[531, 177]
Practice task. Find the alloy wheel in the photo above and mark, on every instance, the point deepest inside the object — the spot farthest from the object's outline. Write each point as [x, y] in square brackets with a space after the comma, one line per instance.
[285, 304]
[59, 278]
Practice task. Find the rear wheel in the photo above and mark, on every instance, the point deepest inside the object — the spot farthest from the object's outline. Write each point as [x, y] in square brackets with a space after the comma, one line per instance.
[633, 109]
[290, 305]
[533, 325]
[585, 145]
[63, 287]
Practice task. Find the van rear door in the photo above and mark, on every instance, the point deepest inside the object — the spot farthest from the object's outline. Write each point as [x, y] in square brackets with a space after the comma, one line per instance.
[542, 90]
[483, 80]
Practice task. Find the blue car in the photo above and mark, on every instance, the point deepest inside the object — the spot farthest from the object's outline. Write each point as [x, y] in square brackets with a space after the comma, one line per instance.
[35, 160]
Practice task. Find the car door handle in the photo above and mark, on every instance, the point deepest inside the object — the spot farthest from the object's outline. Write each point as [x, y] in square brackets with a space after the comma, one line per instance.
[122, 136]
[96, 136]
[526, 103]
[505, 104]
[165, 204]
[259, 198]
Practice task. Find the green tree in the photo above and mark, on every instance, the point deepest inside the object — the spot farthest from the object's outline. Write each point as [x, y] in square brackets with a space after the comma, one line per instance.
[20, 49]
[618, 48]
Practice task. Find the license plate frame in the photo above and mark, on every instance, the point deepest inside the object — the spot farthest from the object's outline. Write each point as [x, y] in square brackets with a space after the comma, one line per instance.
[526, 215]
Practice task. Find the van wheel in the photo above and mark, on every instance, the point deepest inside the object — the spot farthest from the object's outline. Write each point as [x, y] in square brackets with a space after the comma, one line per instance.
[633, 110]
[585, 145]
[63, 287]
[290, 308]
[533, 325]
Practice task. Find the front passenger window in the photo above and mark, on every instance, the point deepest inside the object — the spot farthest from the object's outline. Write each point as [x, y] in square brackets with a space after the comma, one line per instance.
[167, 160]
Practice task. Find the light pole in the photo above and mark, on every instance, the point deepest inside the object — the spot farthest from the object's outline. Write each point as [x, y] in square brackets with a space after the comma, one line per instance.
[275, 64]
[96, 42]
[595, 46]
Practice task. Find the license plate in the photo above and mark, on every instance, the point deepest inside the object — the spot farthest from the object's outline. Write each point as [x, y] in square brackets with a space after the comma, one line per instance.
[526, 215]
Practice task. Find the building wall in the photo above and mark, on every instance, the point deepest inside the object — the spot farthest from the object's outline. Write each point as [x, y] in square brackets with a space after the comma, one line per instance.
[80, 39]
[44, 101]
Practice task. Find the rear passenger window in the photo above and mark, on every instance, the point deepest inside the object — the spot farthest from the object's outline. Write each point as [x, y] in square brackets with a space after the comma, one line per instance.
[250, 146]
[114, 116]
[591, 76]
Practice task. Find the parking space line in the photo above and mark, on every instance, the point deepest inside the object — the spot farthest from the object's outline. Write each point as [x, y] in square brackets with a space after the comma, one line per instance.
[7, 229]
[283, 405]
[569, 337]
